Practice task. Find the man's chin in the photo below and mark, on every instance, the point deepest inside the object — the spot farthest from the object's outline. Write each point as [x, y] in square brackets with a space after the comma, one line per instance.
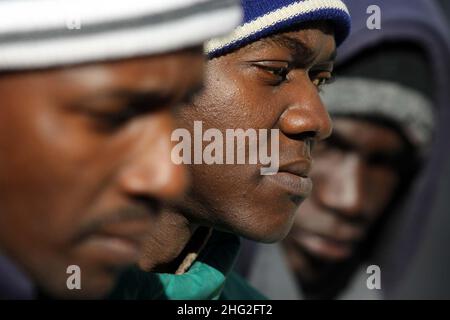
[325, 249]
[95, 286]
[267, 234]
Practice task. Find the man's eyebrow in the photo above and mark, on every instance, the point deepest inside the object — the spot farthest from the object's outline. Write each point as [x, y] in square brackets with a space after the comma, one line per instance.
[139, 101]
[327, 64]
[340, 141]
[302, 53]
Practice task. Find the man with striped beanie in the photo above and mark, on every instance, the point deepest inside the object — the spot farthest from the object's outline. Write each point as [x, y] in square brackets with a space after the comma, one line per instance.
[367, 211]
[87, 88]
[265, 75]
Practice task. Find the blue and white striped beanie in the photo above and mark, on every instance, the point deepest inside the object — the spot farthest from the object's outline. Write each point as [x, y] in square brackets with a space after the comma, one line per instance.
[265, 17]
[48, 33]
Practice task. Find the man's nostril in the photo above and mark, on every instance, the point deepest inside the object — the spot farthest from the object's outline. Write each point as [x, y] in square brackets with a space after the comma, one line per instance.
[304, 136]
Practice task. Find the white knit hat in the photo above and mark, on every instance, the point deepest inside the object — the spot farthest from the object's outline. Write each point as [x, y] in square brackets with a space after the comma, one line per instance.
[46, 33]
[412, 111]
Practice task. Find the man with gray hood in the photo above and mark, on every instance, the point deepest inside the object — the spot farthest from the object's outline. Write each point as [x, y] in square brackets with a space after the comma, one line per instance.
[368, 184]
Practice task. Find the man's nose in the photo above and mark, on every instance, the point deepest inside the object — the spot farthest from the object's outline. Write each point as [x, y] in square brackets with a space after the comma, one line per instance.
[151, 172]
[306, 115]
[342, 189]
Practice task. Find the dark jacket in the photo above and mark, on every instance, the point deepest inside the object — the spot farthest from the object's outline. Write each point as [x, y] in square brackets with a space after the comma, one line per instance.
[14, 285]
[209, 278]
[421, 24]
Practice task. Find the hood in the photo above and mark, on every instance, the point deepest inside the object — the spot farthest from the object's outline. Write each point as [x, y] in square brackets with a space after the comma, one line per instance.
[422, 23]
[416, 22]
[201, 276]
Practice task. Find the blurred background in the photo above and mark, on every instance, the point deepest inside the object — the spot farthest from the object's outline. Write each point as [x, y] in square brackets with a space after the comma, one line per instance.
[381, 200]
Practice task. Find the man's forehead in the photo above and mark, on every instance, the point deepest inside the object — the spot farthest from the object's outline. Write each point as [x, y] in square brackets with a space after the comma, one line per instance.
[112, 79]
[298, 45]
[371, 135]
[304, 44]
[152, 71]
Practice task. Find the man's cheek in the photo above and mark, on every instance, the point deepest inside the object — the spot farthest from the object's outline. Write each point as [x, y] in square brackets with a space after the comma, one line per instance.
[381, 191]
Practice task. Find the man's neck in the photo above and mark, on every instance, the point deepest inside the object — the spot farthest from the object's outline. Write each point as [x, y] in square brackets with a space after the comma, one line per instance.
[167, 242]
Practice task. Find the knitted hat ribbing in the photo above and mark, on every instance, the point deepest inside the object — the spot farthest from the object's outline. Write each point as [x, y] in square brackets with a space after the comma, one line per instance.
[411, 110]
[48, 33]
[265, 17]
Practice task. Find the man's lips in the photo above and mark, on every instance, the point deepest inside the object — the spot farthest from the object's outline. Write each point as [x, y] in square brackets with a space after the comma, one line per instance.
[300, 167]
[292, 184]
[325, 247]
[118, 243]
[293, 178]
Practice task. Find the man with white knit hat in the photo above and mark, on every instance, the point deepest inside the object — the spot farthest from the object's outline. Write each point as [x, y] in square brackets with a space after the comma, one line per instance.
[87, 89]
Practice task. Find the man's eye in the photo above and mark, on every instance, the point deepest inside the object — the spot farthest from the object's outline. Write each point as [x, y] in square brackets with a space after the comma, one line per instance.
[278, 75]
[274, 72]
[113, 120]
[114, 111]
[321, 79]
[279, 72]
[115, 117]
[320, 82]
